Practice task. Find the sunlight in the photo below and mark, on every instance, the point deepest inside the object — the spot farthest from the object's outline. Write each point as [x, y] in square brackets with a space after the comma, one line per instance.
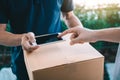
[93, 3]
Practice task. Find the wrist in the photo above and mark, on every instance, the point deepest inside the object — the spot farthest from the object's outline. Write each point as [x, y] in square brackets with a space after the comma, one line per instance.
[98, 35]
[20, 36]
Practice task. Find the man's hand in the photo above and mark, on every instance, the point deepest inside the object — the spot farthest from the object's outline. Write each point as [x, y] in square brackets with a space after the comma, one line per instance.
[28, 42]
[80, 35]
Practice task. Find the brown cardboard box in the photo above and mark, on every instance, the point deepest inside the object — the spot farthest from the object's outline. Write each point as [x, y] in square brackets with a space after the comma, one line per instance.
[60, 61]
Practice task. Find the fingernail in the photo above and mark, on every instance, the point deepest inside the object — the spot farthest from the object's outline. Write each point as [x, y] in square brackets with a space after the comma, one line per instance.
[34, 44]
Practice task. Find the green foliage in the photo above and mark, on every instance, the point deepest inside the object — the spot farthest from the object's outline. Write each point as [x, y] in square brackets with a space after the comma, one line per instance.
[64, 27]
[99, 18]
[8, 28]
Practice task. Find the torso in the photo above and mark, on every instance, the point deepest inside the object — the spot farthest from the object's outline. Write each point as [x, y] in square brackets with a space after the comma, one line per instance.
[38, 16]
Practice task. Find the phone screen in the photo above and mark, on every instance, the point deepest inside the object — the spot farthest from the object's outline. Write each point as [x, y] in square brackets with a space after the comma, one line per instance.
[47, 38]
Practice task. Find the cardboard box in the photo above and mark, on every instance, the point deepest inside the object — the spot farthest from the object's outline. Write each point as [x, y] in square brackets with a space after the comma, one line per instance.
[61, 61]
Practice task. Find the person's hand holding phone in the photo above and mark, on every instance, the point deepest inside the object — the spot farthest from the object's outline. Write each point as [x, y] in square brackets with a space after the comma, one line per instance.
[29, 42]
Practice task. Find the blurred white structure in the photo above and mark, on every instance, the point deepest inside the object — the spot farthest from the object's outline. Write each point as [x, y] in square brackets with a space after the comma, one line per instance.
[6, 74]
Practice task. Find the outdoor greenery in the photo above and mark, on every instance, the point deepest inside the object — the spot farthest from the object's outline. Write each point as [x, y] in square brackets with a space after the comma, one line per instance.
[99, 18]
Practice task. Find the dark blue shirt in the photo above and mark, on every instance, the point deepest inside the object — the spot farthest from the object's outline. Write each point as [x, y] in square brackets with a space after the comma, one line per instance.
[38, 16]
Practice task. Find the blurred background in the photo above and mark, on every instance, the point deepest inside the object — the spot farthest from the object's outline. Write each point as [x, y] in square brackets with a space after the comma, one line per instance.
[94, 14]
[100, 14]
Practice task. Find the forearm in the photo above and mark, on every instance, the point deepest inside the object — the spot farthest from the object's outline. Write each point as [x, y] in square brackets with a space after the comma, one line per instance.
[71, 20]
[111, 34]
[9, 39]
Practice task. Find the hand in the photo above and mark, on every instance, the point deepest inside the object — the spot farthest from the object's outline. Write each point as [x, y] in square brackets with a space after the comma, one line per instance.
[28, 42]
[80, 35]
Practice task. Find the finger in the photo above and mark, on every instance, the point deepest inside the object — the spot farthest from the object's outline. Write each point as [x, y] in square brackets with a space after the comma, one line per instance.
[75, 40]
[31, 37]
[71, 43]
[74, 35]
[81, 42]
[28, 47]
[66, 32]
[63, 33]
[32, 48]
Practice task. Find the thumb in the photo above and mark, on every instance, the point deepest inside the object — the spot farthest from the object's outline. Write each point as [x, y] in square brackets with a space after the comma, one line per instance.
[74, 41]
[31, 37]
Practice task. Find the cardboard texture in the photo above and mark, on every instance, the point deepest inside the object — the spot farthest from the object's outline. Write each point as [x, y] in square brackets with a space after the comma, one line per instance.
[61, 61]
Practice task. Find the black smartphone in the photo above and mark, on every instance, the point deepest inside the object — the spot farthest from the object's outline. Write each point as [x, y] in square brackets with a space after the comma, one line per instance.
[47, 38]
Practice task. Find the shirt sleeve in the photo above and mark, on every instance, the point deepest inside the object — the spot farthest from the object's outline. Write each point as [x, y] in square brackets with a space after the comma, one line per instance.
[3, 12]
[67, 5]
